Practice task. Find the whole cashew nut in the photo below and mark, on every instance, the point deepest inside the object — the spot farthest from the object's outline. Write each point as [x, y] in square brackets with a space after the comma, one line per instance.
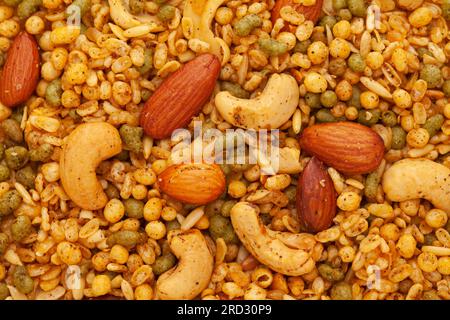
[270, 247]
[85, 147]
[120, 14]
[193, 272]
[418, 178]
[271, 109]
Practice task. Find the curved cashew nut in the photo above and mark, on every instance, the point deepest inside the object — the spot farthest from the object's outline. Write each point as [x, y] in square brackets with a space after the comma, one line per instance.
[120, 14]
[418, 178]
[269, 247]
[85, 147]
[193, 272]
[270, 110]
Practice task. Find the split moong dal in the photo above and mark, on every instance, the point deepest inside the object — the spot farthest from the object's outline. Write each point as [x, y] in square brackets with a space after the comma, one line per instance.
[92, 206]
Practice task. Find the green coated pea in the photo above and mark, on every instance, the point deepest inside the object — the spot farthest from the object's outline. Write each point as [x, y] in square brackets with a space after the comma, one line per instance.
[446, 9]
[302, 46]
[164, 263]
[272, 47]
[53, 93]
[405, 285]
[137, 6]
[337, 66]
[339, 4]
[4, 173]
[2, 151]
[9, 201]
[446, 88]
[431, 74]
[235, 89]
[4, 291]
[291, 192]
[329, 21]
[148, 61]
[389, 118]
[398, 138]
[371, 186]
[423, 51]
[312, 100]
[134, 208]
[358, 8]
[4, 242]
[132, 137]
[27, 7]
[123, 155]
[22, 281]
[341, 291]
[324, 115]
[12, 129]
[74, 115]
[369, 117]
[166, 13]
[159, 2]
[112, 192]
[329, 273]
[12, 3]
[356, 62]
[345, 14]
[245, 25]
[16, 157]
[221, 227]
[21, 228]
[328, 99]
[429, 239]
[42, 153]
[355, 99]
[125, 238]
[434, 124]
[172, 225]
[145, 94]
[226, 207]
[26, 177]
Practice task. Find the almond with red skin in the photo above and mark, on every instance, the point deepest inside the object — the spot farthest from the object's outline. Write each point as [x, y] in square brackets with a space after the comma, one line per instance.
[310, 12]
[180, 97]
[20, 73]
[348, 147]
[197, 183]
[316, 197]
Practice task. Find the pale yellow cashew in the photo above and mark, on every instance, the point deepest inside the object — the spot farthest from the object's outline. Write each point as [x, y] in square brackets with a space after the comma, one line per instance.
[270, 247]
[271, 109]
[193, 272]
[85, 147]
[418, 178]
[120, 14]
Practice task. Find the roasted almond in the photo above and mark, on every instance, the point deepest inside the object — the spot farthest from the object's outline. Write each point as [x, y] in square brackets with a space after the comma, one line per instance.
[309, 12]
[346, 146]
[316, 197]
[193, 183]
[180, 97]
[20, 73]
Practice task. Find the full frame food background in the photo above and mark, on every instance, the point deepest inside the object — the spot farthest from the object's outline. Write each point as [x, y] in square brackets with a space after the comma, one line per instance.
[94, 202]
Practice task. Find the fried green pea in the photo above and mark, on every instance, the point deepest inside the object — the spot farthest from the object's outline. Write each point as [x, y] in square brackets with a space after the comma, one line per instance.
[166, 13]
[235, 89]
[245, 25]
[4, 242]
[16, 157]
[329, 273]
[12, 3]
[225, 209]
[329, 21]
[112, 192]
[21, 228]
[27, 7]
[358, 8]
[341, 291]
[26, 177]
[328, 98]
[429, 239]
[12, 130]
[371, 186]
[137, 6]
[446, 88]
[302, 46]
[9, 201]
[369, 117]
[132, 137]
[134, 208]
[434, 124]
[398, 138]
[272, 47]
[446, 9]
[221, 227]
[312, 100]
[4, 291]
[53, 93]
[22, 281]
[324, 115]
[345, 14]
[339, 4]
[337, 66]
[172, 225]
[4, 173]
[148, 61]
[431, 74]
[389, 118]
[164, 263]
[42, 153]
[356, 62]
[126, 238]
